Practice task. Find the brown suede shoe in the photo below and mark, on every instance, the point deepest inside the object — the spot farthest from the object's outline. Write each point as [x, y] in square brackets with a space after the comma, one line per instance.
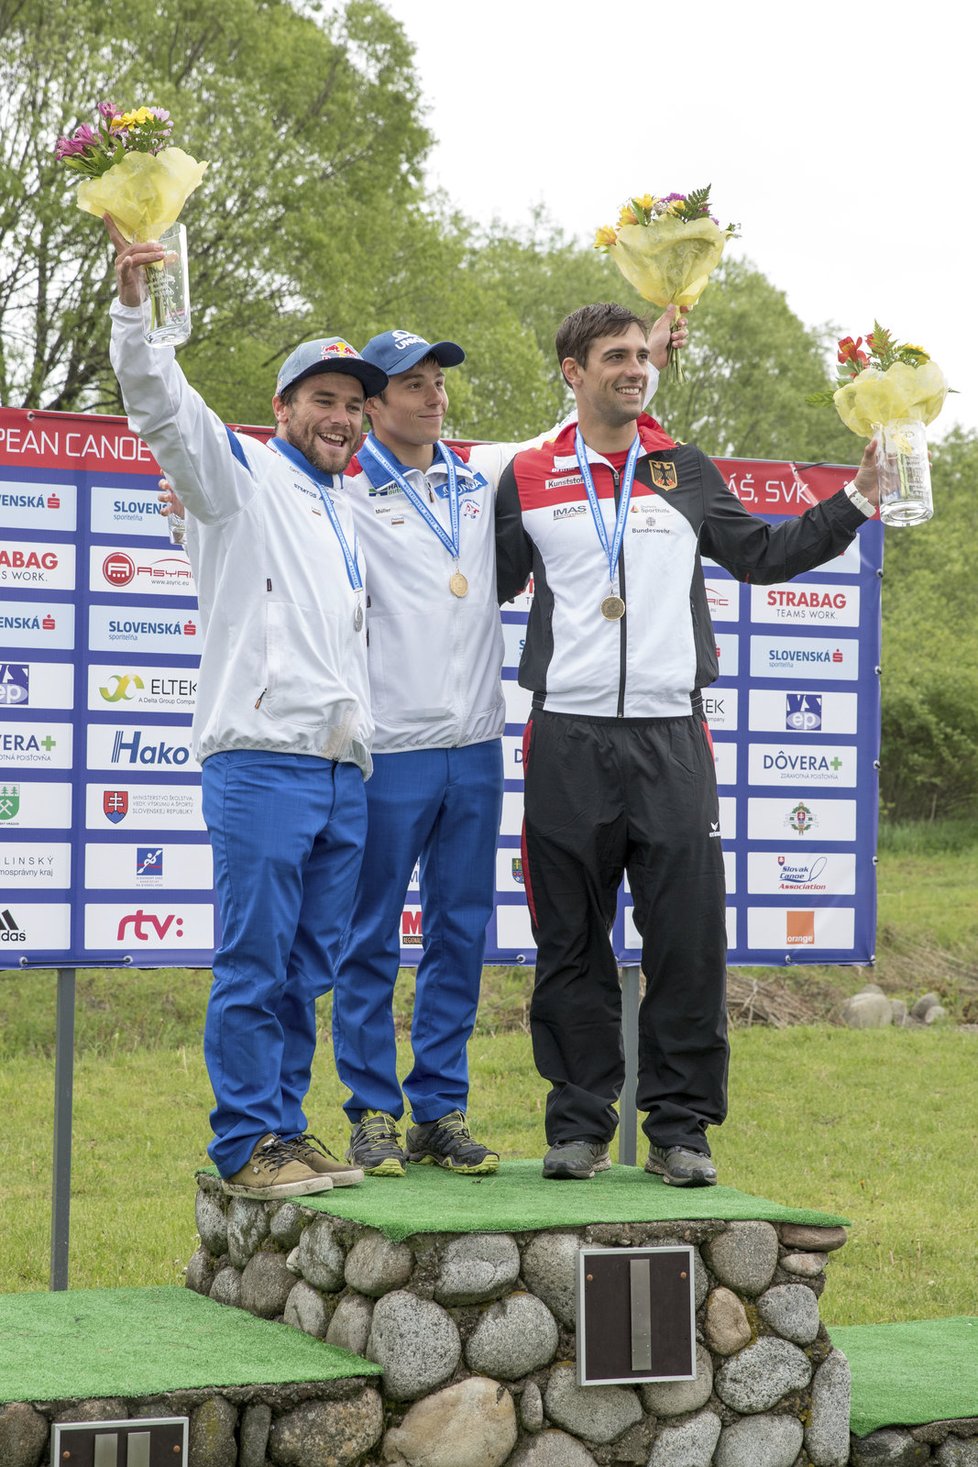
[308, 1149]
[274, 1171]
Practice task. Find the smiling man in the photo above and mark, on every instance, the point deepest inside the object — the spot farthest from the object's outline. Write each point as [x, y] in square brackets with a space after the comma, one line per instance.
[618, 764]
[282, 725]
[425, 511]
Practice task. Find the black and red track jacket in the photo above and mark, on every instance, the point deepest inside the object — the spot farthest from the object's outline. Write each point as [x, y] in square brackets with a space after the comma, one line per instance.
[653, 662]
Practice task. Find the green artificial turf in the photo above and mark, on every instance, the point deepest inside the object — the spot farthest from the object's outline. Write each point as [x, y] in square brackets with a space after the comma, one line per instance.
[90, 1343]
[910, 1373]
[517, 1199]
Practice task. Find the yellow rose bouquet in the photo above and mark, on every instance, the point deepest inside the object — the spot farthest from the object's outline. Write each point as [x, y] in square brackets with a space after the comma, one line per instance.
[667, 248]
[129, 170]
[890, 392]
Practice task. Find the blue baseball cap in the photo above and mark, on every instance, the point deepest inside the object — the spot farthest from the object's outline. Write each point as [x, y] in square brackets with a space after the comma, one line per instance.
[330, 354]
[398, 351]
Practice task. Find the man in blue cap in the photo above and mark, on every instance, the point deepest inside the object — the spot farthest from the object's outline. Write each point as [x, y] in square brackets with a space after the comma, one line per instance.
[424, 512]
[282, 725]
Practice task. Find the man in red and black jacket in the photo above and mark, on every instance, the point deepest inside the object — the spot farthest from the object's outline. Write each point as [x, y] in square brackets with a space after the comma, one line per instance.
[618, 766]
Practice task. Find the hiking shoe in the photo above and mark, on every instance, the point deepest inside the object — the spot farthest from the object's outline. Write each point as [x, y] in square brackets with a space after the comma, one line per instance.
[312, 1153]
[375, 1145]
[681, 1167]
[275, 1171]
[447, 1143]
[576, 1161]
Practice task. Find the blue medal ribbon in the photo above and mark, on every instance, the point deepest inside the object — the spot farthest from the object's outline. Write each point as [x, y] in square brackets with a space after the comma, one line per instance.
[612, 551]
[296, 457]
[451, 541]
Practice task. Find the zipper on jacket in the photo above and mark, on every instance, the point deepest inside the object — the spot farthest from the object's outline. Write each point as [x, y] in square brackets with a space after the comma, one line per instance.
[623, 634]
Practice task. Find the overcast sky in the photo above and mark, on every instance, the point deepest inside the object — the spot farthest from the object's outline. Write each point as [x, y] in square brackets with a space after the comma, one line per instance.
[840, 136]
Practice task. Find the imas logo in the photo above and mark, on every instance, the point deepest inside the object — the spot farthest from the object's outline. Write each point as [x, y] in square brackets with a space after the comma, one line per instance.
[9, 930]
[803, 712]
[15, 684]
[568, 511]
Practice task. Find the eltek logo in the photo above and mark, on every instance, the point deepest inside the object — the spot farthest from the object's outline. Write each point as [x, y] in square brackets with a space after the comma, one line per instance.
[803, 712]
[15, 684]
[147, 925]
[122, 682]
[9, 931]
[118, 569]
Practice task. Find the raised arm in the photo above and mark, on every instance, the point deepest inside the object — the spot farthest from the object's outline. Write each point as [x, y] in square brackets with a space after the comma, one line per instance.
[206, 464]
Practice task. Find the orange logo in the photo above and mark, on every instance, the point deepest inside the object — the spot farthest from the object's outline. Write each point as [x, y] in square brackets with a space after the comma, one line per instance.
[800, 929]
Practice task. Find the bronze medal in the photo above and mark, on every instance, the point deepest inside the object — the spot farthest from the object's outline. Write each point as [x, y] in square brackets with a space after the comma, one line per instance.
[457, 584]
[612, 608]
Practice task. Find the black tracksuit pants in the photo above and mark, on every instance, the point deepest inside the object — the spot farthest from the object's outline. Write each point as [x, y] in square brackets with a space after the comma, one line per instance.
[605, 796]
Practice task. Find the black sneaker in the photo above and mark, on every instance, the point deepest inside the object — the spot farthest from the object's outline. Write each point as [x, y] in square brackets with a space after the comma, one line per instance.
[681, 1167]
[576, 1161]
[375, 1145]
[447, 1143]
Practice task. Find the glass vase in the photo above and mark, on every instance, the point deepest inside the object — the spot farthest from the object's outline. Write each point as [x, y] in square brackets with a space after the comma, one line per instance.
[166, 299]
[904, 473]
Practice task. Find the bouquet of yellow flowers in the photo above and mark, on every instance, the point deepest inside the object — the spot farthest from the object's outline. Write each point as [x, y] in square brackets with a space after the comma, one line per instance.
[667, 248]
[129, 169]
[890, 392]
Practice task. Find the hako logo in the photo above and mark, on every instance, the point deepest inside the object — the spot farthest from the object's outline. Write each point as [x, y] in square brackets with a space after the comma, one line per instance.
[123, 681]
[118, 569]
[9, 931]
[147, 925]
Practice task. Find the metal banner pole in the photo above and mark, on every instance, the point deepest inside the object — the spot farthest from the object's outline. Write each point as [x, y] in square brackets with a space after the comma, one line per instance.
[64, 1063]
[628, 1116]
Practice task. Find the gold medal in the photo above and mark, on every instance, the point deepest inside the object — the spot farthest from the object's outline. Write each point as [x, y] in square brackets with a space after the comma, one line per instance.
[612, 608]
[458, 585]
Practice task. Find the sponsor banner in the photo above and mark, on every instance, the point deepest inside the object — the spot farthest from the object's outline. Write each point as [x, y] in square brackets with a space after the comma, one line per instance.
[720, 707]
[513, 931]
[136, 630]
[633, 940]
[36, 506]
[415, 883]
[514, 637]
[513, 756]
[33, 927]
[798, 764]
[519, 701]
[39, 685]
[794, 929]
[170, 866]
[806, 604]
[723, 599]
[35, 745]
[135, 511]
[730, 872]
[523, 601]
[72, 442]
[37, 624]
[412, 933]
[133, 570]
[123, 689]
[804, 657]
[803, 712]
[823, 873]
[512, 820]
[34, 805]
[728, 653]
[36, 565]
[849, 563]
[35, 866]
[142, 925]
[150, 807]
[725, 759]
[509, 869]
[811, 819]
[728, 817]
[771, 488]
[152, 747]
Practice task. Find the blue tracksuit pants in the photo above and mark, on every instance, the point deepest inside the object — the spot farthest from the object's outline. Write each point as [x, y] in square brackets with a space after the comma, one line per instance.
[441, 808]
[287, 831]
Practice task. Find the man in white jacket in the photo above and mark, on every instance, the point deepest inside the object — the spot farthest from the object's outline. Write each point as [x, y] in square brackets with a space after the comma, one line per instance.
[424, 511]
[282, 725]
